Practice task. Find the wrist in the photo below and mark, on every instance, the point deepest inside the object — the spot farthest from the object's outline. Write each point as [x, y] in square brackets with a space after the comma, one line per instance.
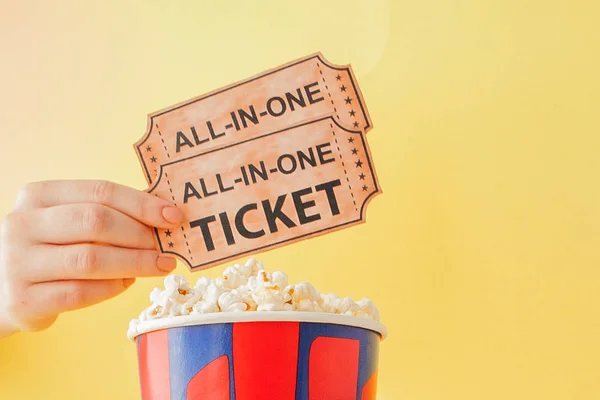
[6, 332]
[7, 328]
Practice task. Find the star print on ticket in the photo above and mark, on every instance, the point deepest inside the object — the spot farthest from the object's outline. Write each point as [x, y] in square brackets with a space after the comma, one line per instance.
[263, 163]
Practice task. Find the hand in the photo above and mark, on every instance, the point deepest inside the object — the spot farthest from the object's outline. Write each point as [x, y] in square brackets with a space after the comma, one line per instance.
[70, 244]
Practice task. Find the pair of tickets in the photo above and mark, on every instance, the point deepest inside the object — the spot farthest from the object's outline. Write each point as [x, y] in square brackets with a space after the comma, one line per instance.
[262, 163]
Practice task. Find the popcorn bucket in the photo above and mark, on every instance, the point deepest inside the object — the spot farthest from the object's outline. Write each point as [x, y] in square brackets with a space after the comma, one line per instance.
[259, 356]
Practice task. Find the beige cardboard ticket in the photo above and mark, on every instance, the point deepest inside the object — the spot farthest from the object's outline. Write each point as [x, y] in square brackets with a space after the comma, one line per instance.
[301, 90]
[267, 191]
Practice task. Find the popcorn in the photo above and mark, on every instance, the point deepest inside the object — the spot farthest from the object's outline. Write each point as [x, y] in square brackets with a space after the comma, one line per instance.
[231, 301]
[201, 285]
[246, 294]
[246, 288]
[342, 306]
[155, 295]
[352, 310]
[329, 303]
[204, 307]
[254, 265]
[192, 299]
[234, 277]
[307, 305]
[304, 291]
[272, 300]
[366, 308]
[280, 280]
[133, 325]
[264, 280]
[213, 292]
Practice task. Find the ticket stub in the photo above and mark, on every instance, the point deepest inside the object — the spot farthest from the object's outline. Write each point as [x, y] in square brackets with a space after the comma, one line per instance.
[266, 190]
[302, 90]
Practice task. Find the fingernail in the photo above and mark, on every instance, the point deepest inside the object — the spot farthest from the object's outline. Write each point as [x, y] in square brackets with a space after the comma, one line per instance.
[128, 282]
[166, 264]
[172, 214]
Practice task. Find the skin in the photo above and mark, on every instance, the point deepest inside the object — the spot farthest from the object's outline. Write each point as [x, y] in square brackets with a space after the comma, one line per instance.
[71, 244]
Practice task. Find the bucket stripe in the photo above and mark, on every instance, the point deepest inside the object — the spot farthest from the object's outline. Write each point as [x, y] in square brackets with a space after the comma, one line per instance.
[153, 351]
[274, 347]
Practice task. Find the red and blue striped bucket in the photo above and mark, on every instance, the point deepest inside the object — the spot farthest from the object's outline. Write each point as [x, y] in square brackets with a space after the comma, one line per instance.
[259, 356]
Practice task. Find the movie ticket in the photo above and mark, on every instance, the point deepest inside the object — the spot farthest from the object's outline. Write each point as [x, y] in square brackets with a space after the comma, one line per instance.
[305, 89]
[266, 191]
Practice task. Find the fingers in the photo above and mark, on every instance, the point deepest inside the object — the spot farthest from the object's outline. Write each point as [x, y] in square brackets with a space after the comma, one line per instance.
[139, 205]
[71, 244]
[80, 223]
[52, 298]
[93, 261]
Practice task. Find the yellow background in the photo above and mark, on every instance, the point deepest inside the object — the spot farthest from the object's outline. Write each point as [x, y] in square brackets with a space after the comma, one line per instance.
[483, 253]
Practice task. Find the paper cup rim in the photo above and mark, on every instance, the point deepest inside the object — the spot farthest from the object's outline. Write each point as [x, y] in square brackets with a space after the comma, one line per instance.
[256, 316]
